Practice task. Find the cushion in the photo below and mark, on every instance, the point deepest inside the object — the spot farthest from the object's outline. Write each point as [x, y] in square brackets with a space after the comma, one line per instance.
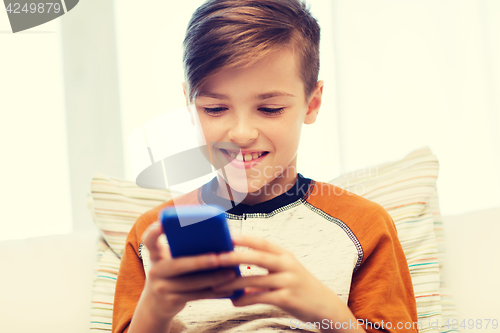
[115, 205]
[405, 188]
[103, 289]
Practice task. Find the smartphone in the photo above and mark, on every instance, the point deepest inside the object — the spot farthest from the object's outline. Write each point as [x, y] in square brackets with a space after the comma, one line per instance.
[193, 230]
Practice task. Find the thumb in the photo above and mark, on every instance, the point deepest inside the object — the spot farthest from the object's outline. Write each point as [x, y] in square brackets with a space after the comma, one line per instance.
[152, 234]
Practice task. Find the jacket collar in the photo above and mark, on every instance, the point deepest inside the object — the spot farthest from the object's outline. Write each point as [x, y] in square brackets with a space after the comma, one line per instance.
[301, 189]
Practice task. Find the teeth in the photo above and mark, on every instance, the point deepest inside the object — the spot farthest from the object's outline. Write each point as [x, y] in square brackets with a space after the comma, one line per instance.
[246, 157]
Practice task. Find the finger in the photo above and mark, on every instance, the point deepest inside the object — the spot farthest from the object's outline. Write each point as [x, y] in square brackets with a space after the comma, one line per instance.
[183, 265]
[272, 297]
[202, 294]
[271, 262]
[201, 280]
[150, 239]
[252, 290]
[258, 282]
[257, 243]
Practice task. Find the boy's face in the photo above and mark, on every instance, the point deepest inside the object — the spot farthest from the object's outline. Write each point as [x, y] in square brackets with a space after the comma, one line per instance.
[253, 111]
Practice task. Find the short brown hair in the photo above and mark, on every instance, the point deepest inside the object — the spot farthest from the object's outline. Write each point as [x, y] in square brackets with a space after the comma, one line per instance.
[236, 33]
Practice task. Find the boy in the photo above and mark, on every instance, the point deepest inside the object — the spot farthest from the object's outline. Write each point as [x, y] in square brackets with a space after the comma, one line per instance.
[325, 259]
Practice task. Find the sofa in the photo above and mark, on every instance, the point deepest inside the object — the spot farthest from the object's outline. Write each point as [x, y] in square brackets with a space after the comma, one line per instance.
[47, 283]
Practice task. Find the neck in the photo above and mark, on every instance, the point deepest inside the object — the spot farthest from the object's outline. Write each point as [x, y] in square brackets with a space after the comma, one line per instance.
[268, 191]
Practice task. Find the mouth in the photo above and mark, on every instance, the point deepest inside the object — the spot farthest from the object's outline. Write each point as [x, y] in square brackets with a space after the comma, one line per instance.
[244, 156]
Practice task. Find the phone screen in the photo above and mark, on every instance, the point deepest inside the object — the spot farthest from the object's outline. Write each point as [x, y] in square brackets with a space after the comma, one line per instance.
[194, 230]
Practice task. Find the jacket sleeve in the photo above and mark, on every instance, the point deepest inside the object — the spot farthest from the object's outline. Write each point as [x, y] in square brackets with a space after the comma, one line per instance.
[381, 290]
[130, 282]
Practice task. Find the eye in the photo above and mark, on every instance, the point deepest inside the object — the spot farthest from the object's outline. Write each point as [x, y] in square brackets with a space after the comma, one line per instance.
[272, 111]
[214, 111]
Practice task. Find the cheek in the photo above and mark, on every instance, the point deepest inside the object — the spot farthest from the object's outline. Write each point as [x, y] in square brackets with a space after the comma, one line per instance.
[203, 124]
[285, 137]
[202, 134]
[209, 130]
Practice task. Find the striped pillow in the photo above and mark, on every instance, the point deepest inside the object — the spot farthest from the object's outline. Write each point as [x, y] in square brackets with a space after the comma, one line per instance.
[103, 289]
[114, 205]
[407, 190]
[447, 301]
[117, 204]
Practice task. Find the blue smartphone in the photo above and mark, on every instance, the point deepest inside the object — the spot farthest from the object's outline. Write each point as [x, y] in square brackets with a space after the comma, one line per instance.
[193, 230]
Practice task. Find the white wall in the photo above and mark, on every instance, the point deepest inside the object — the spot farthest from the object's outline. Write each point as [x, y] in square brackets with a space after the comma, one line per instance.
[35, 197]
[417, 73]
[61, 119]
[92, 101]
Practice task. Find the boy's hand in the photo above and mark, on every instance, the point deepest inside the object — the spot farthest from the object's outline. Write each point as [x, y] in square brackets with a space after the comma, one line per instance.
[173, 282]
[288, 285]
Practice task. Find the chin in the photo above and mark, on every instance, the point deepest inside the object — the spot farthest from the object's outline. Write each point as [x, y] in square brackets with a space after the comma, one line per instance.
[237, 183]
[244, 185]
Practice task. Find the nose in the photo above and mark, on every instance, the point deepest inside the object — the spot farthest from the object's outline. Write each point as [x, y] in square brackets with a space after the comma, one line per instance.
[243, 131]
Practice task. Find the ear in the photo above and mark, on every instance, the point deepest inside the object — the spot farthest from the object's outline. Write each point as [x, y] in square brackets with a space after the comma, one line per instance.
[187, 101]
[314, 103]
[184, 90]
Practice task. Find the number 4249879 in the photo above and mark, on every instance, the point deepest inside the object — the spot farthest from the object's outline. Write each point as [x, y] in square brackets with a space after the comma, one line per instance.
[471, 324]
[33, 7]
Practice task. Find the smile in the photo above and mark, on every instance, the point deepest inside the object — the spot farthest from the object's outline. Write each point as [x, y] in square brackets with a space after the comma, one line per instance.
[244, 160]
[244, 157]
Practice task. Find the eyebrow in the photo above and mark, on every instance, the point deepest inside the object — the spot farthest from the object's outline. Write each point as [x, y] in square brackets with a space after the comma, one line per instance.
[260, 96]
[273, 94]
[211, 95]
